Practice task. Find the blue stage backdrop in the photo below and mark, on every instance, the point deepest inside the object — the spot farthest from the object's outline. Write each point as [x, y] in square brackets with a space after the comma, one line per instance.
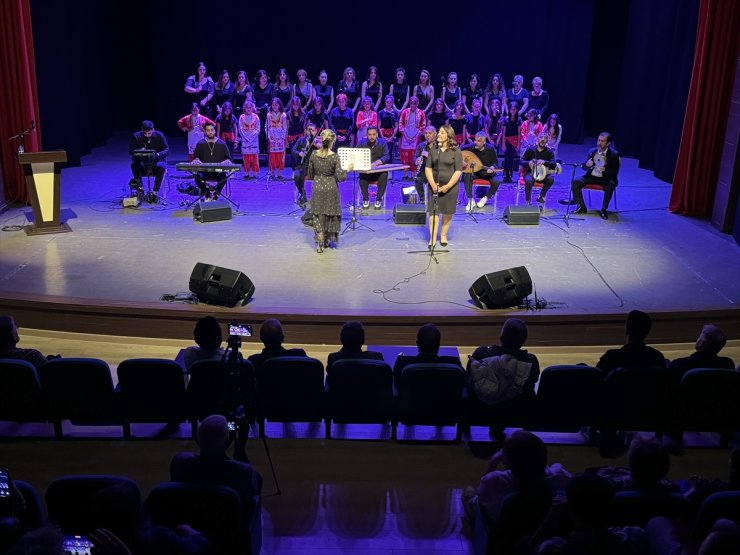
[104, 66]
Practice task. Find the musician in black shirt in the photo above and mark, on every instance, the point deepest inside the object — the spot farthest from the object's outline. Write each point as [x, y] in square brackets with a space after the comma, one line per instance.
[302, 151]
[211, 150]
[488, 158]
[151, 164]
[538, 163]
[378, 156]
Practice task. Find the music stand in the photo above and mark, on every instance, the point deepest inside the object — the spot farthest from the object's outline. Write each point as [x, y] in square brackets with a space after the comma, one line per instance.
[360, 157]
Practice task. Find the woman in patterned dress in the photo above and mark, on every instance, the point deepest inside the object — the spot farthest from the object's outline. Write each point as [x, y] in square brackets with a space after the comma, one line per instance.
[326, 208]
[249, 132]
[276, 129]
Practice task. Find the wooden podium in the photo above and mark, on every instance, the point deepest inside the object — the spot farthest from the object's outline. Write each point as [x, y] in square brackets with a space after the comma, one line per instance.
[43, 179]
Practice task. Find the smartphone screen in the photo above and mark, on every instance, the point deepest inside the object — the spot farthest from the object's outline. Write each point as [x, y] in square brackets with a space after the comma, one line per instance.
[243, 330]
[4, 483]
[77, 545]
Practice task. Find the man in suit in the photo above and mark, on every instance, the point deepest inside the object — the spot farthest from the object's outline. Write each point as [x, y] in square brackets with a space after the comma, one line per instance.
[352, 337]
[602, 168]
[272, 337]
[428, 341]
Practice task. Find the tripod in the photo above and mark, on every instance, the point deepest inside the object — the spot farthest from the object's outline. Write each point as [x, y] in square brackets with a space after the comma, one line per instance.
[240, 402]
[220, 193]
[354, 222]
[567, 217]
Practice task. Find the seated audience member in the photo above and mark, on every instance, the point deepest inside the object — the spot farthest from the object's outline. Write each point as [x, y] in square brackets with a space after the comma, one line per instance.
[208, 338]
[428, 341]
[8, 344]
[671, 537]
[352, 337]
[500, 373]
[213, 466]
[649, 464]
[525, 456]
[710, 342]
[586, 514]
[271, 335]
[635, 354]
[118, 509]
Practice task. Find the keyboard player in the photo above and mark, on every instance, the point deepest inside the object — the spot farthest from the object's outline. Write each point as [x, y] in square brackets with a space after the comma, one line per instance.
[148, 149]
[211, 150]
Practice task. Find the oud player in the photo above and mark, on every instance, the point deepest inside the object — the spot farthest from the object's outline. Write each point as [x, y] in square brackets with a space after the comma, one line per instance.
[486, 154]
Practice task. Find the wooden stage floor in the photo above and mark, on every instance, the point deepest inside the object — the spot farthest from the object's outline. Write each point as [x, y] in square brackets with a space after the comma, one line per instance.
[109, 274]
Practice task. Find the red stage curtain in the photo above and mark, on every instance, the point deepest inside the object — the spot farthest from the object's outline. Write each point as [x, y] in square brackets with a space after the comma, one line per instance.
[704, 126]
[20, 103]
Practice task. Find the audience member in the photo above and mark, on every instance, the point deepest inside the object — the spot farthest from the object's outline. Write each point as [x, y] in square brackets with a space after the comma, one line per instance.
[428, 341]
[586, 514]
[213, 466]
[667, 537]
[525, 455]
[649, 464]
[272, 336]
[501, 372]
[46, 540]
[118, 509]
[710, 342]
[352, 338]
[635, 354]
[208, 338]
[8, 344]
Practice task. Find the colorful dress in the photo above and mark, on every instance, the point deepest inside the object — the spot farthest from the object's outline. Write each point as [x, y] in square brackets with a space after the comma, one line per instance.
[365, 120]
[276, 140]
[411, 126]
[249, 131]
[194, 126]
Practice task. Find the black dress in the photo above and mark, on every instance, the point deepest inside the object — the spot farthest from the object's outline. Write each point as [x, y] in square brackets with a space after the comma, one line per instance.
[443, 165]
[325, 203]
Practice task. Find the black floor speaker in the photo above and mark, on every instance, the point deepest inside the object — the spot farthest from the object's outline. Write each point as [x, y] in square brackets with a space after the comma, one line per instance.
[522, 215]
[212, 211]
[501, 289]
[410, 214]
[221, 286]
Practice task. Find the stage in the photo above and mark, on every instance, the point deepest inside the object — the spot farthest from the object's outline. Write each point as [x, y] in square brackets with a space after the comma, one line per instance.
[109, 274]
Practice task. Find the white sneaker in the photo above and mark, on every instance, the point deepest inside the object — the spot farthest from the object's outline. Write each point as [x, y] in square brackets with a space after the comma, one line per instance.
[469, 207]
[482, 202]
[366, 204]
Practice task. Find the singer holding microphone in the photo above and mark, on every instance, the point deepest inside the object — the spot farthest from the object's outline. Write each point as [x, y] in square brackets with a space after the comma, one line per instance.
[443, 172]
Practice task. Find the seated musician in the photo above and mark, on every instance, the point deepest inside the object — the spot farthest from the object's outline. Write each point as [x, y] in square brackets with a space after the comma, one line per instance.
[378, 156]
[150, 164]
[211, 150]
[602, 167]
[538, 163]
[488, 159]
[420, 158]
[302, 151]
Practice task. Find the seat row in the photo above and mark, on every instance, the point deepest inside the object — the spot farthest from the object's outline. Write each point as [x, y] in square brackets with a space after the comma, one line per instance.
[522, 514]
[216, 511]
[296, 389]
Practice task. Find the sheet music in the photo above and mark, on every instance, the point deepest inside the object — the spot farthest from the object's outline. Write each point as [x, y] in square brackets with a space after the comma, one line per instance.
[360, 157]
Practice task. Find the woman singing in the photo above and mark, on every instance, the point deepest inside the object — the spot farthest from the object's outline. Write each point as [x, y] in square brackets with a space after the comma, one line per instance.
[443, 176]
[325, 204]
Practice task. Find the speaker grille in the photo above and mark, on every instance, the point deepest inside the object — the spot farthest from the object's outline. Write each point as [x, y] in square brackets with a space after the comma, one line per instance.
[501, 289]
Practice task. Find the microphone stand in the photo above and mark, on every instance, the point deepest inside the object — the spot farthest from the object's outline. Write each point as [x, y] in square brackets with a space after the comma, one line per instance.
[21, 136]
[433, 198]
[567, 217]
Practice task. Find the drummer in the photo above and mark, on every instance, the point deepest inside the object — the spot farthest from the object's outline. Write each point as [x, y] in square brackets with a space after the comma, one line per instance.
[484, 169]
[538, 164]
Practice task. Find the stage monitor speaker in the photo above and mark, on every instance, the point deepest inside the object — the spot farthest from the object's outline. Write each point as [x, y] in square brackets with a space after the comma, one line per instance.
[415, 214]
[501, 289]
[221, 286]
[522, 215]
[212, 211]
